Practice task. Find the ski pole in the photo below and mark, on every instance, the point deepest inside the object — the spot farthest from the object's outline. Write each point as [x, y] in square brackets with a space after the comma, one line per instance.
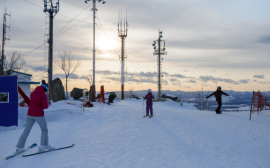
[143, 107]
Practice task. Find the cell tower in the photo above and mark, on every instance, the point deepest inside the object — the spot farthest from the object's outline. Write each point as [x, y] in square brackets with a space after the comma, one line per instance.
[3, 57]
[51, 10]
[122, 33]
[161, 50]
[94, 9]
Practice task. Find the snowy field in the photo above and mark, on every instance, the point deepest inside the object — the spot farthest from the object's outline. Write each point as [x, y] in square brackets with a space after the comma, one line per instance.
[119, 136]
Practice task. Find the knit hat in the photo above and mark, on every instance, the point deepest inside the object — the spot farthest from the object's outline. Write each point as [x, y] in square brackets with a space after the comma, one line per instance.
[45, 85]
[218, 87]
[149, 90]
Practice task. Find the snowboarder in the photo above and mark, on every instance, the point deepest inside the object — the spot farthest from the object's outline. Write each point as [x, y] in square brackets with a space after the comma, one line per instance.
[149, 102]
[218, 94]
[38, 102]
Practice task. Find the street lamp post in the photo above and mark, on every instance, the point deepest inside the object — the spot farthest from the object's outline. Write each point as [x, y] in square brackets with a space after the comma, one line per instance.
[94, 9]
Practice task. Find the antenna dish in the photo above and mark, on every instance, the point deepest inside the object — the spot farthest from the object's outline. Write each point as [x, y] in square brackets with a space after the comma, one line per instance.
[160, 36]
[160, 32]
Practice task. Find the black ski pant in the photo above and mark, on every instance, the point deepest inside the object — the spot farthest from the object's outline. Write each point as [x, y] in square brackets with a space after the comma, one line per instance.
[219, 106]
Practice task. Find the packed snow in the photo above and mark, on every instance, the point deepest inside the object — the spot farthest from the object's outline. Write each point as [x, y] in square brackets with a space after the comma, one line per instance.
[118, 135]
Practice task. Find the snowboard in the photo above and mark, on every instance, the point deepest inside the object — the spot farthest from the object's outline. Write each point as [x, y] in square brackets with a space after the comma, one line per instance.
[16, 154]
[49, 150]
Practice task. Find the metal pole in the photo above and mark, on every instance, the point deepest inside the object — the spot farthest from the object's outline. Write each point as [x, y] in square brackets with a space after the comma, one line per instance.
[50, 70]
[159, 83]
[122, 69]
[3, 43]
[94, 49]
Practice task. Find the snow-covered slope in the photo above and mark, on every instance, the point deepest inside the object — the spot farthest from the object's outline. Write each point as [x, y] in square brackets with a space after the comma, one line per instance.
[119, 136]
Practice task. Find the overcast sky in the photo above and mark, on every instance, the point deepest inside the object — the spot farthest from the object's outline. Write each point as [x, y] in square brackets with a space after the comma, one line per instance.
[209, 43]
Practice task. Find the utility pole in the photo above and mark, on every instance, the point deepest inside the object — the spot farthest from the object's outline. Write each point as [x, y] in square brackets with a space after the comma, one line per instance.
[94, 9]
[3, 57]
[51, 10]
[122, 33]
[160, 51]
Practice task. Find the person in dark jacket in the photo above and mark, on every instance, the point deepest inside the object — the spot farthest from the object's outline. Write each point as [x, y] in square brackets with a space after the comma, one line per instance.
[218, 95]
[149, 102]
[38, 102]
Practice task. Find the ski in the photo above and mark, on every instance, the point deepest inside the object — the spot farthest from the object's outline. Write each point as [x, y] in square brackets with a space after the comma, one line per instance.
[15, 154]
[49, 150]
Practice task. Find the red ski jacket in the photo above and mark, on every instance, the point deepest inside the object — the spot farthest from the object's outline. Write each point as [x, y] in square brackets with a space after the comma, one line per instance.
[38, 102]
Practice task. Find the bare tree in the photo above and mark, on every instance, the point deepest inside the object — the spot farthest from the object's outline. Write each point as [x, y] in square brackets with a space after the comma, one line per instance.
[14, 62]
[67, 64]
[201, 99]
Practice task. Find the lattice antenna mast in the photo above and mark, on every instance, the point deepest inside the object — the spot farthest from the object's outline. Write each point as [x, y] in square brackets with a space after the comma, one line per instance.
[122, 33]
[161, 50]
[51, 10]
[94, 9]
[3, 57]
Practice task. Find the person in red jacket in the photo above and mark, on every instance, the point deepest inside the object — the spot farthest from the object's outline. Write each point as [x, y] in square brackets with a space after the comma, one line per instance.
[38, 102]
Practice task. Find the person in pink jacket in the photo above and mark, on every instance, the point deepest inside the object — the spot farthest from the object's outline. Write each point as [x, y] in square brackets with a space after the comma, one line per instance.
[38, 102]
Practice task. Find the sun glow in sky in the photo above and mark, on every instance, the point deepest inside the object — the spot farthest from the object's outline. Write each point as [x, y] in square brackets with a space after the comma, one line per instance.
[105, 44]
[209, 43]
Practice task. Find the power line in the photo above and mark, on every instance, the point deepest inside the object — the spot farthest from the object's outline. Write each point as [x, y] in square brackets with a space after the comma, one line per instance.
[73, 26]
[35, 49]
[31, 38]
[57, 32]
[74, 19]
[57, 14]
[107, 61]
[73, 4]
[139, 64]
[137, 67]
[70, 21]
[106, 35]
[39, 74]
[138, 83]
[33, 4]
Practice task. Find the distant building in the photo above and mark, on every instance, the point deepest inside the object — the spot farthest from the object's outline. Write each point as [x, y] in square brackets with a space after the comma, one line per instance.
[24, 81]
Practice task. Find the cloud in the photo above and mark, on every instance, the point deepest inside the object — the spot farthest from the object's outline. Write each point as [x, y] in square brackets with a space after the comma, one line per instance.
[178, 75]
[244, 81]
[264, 39]
[215, 80]
[259, 76]
[173, 80]
[143, 80]
[144, 74]
[264, 82]
[37, 68]
[106, 72]
[72, 76]
[190, 81]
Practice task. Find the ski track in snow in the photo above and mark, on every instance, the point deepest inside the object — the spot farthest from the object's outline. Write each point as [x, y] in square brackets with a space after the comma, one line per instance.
[119, 136]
